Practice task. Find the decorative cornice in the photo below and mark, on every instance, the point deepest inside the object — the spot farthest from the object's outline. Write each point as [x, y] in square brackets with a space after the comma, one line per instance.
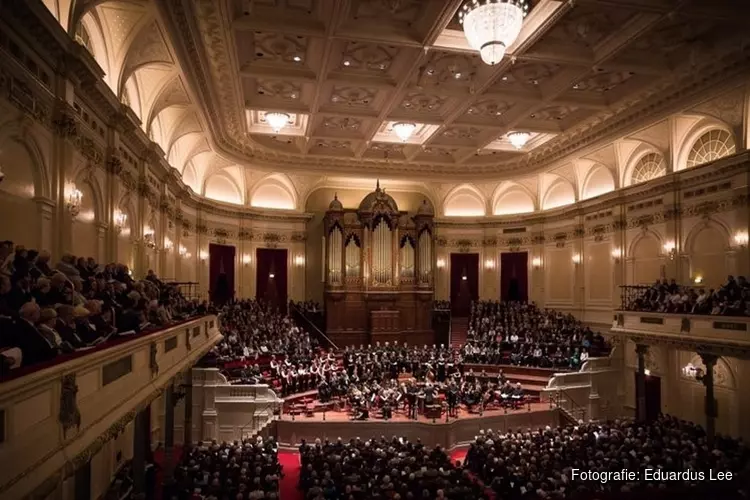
[204, 48]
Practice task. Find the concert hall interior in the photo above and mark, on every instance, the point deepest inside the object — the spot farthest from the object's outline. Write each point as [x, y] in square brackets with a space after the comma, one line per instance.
[374, 249]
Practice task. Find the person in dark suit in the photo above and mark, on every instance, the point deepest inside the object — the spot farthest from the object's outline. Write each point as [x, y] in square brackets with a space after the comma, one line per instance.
[34, 346]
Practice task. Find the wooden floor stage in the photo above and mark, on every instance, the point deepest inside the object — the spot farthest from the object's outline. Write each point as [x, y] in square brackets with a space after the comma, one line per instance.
[337, 424]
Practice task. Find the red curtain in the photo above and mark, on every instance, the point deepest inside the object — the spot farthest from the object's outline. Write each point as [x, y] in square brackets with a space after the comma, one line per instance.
[221, 273]
[464, 282]
[514, 276]
[271, 276]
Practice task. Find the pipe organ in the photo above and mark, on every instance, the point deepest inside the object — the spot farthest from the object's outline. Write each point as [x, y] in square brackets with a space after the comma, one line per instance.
[379, 282]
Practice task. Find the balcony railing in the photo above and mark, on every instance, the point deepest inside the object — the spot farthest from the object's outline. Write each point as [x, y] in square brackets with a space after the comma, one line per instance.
[62, 414]
[731, 331]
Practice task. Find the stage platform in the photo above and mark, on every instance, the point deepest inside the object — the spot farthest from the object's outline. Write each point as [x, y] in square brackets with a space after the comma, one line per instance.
[455, 432]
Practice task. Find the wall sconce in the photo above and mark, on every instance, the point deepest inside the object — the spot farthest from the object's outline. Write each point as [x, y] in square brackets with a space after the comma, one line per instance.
[246, 259]
[203, 255]
[670, 249]
[464, 278]
[576, 258]
[536, 262]
[741, 239]
[617, 254]
[182, 251]
[168, 244]
[692, 371]
[441, 263]
[271, 276]
[121, 220]
[489, 264]
[698, 279]
[647, 372]
[75, 197]
[299, 260]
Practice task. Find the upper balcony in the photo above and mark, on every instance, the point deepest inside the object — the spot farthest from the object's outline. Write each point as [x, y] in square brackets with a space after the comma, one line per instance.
[56, 418]
[722, 334]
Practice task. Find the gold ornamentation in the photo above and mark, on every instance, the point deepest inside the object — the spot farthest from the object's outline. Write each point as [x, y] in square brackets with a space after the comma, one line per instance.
[69, 415]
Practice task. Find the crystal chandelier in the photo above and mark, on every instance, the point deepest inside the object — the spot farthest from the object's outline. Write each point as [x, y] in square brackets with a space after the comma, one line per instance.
[491, 26]
[404, 130]
[277, 121]
[519, 139]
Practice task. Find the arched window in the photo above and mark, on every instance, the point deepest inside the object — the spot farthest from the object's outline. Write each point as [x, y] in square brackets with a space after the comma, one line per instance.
[648, 168]
[711, 146]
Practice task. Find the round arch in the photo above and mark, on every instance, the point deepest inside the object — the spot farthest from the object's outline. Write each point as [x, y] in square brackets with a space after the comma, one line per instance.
[599, 180]
[644, 234]
[516, 195]
[464, 201]
[18, 132]
[566, 197]
[274, 191]
[641, 154]
[698, 130]
[221, 187]
[709, 223]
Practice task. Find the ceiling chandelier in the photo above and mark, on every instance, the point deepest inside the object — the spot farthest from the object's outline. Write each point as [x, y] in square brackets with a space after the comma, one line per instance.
[404, 130]
[519, 139]
[276, 120]
[491, 26]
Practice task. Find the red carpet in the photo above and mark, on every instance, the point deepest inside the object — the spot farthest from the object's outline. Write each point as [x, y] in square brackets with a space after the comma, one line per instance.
[458, 455]
[459, 331]
[289, 460]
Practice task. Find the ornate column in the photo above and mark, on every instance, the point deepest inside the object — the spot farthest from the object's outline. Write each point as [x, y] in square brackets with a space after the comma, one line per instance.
[187, 426]
[62, 159]
[711, 409]
[46, 210]
[140, 439]
[640, 383]
[101, 241]
[169, 404]
[619, 256]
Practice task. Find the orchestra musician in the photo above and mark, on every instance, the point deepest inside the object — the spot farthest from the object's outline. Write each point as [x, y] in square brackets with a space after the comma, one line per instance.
[517, 395]
[452, 397]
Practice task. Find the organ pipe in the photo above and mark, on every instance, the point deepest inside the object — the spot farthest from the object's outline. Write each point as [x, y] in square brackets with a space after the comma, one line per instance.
[407, 259]
[382, 260]
[334, 256]
[425, 257]
[352, 258]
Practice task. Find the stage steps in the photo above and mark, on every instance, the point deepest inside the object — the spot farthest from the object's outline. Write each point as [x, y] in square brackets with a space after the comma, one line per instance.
[459, 331]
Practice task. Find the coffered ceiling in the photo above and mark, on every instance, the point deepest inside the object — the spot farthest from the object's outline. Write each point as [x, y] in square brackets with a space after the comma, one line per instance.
[345, 70]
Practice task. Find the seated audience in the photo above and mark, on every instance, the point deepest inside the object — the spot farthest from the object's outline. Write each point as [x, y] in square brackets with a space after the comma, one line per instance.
[382, 469]
[240, 470]
[522, 334]
[731, 299]
[543, 463]
[76, 305]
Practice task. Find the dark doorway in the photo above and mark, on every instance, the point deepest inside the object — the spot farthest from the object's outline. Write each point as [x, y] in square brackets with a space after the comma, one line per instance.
[464, 282]
[653, 397]
[83, 481]
[271, 277]
[514, 276]
[221, 273]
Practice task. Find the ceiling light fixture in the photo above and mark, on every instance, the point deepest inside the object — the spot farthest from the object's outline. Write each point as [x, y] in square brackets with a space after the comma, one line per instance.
[277, 121]
[404, 130]
[519, 139]
[491, 26]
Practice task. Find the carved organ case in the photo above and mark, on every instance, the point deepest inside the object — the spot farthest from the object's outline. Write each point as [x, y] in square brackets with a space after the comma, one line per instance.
[379, 272]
